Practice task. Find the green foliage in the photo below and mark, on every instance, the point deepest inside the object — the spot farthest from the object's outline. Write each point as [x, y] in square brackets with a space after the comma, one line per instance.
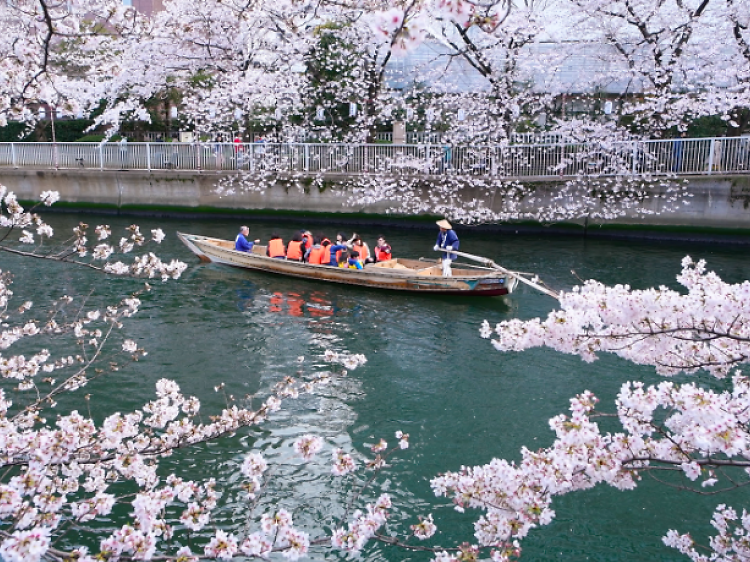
[69, 130]
[66, 130]
[98, 138]
[334, 69]
[91, 138]
[710, 126]
[15, 132]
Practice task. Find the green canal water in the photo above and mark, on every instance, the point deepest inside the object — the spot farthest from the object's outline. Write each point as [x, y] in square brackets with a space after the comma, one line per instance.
[428, 374]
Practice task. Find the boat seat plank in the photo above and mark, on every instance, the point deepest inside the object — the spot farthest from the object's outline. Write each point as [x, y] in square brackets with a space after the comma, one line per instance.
[390, 264]
[432, 270]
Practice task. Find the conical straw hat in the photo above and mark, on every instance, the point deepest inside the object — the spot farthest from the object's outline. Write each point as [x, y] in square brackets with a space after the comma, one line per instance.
[444, 224]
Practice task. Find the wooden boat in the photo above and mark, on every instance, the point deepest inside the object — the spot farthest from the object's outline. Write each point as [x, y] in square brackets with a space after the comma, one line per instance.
[396, 274]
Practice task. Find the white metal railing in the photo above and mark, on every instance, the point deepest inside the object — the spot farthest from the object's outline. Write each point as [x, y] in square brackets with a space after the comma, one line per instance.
[413, 137]
[678, 156]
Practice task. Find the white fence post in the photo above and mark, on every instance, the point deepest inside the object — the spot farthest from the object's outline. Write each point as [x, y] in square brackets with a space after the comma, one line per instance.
[711, 156]
[148, 156]
[13, 154]
[101, 157]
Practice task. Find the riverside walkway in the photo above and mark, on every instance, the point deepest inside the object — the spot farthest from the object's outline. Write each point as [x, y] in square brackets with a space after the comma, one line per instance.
[682, 157]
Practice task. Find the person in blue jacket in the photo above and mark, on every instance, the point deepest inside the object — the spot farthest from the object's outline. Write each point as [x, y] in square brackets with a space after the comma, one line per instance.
[241, 243]
[446, 240]
[335, 249]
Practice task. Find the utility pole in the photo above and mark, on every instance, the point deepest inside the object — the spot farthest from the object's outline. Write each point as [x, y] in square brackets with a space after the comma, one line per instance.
[52, 111]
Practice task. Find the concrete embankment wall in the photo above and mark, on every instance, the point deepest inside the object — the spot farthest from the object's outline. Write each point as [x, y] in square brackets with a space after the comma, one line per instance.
[719, 206]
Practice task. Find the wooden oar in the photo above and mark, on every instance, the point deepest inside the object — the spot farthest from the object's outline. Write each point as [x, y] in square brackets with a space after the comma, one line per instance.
[493, 265]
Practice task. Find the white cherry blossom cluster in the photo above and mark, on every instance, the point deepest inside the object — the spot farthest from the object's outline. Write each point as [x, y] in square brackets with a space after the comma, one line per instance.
[74, 465]
[687, 428]
[516, 498]
[363, 527]
[706, 328]
[493, 200]
[731, 543]
[13, 215]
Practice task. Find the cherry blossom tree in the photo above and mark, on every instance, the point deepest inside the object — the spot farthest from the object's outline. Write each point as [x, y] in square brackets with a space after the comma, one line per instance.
[664, 55]
[732, 102]
[687, 428]
[45, 55]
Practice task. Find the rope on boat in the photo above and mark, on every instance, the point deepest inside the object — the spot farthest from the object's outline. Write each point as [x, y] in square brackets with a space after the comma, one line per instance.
[518, 275]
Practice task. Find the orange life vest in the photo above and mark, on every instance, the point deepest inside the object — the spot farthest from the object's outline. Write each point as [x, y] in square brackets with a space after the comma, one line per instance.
[275, 248]
[294, 250]
[316, 255]
[307, 241]
[363, 255]
[380, 255]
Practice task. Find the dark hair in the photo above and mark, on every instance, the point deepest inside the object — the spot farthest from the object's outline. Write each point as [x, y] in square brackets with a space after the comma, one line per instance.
[325, 243]
[354, 254]
[274, 236]
[344, 256]
[316, 239]
[381, 237]
[341, 234]
[297, 237]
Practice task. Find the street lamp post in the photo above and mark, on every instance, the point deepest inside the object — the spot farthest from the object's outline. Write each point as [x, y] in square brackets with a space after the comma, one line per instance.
[52, 111]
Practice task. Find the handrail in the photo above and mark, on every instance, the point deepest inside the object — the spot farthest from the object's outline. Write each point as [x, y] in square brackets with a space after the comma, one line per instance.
[681, 156]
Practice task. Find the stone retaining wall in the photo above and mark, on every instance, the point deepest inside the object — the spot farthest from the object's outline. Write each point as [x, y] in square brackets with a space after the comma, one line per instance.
[717, 202]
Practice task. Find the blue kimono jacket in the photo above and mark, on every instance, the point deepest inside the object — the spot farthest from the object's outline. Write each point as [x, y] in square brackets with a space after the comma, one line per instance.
[241, 244]
[448, 238]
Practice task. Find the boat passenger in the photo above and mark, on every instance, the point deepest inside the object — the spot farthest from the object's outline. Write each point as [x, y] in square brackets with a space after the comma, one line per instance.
[275, 248]
[336, 250]
[446, 240]
[364, 251]
[319, 252]
[241, 243]
[307, 249]
[295, 249]
[340, 240]
[343, 259]
[382, 250]
[307, 238]
[354, 262]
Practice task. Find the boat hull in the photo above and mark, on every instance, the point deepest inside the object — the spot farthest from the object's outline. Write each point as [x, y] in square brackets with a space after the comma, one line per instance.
[427, 280]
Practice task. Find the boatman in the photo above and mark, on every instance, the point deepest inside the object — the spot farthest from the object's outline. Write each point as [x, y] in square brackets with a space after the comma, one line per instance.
[241, 244]
[446, 240]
